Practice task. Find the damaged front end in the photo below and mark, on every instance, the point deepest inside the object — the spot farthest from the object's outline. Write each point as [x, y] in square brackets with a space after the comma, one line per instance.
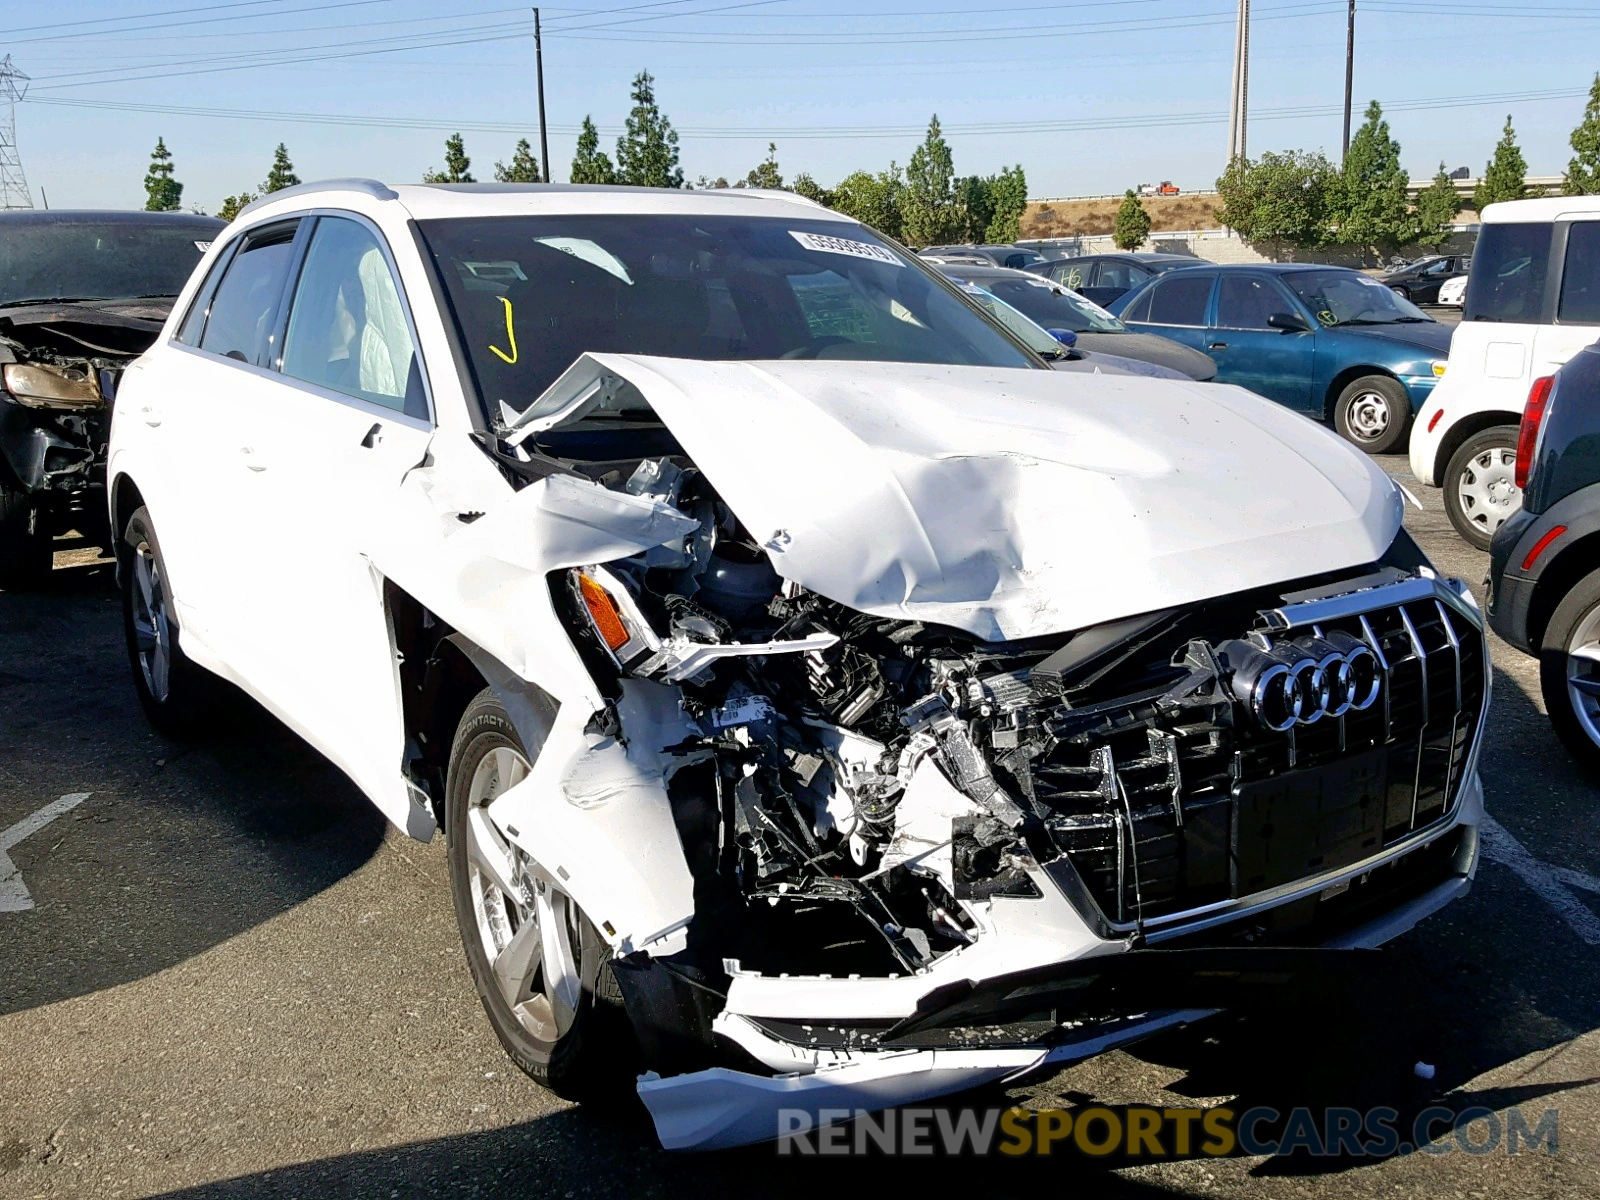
[915, 853]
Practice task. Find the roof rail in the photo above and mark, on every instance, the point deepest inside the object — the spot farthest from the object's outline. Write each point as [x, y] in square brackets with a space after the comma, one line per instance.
[367, 187]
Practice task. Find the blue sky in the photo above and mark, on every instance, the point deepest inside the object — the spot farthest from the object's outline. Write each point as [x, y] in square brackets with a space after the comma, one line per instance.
[1090, 97]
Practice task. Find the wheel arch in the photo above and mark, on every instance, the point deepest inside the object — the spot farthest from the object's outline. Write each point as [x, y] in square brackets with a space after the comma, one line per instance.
[125, 499]
[1468, 426]
[440, 673]
[1559, 577]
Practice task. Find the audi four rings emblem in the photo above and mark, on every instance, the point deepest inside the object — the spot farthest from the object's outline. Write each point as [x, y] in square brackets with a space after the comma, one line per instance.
[1302, 681]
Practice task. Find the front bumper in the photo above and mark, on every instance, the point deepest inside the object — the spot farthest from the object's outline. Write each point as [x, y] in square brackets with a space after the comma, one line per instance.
[1000, 1029]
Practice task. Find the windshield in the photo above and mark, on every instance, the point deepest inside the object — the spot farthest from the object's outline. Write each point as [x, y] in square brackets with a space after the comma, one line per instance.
[530, 294]
[1351, 298]
[111, 260]
[1053, 306]
[1038, 339]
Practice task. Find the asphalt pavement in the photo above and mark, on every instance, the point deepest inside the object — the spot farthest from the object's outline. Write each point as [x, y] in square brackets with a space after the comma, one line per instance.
[222, 975]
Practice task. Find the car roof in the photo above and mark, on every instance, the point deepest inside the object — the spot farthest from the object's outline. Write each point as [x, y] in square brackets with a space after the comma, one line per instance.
[974, 271]
[107, 216]
[426, 201]
[1548, 208]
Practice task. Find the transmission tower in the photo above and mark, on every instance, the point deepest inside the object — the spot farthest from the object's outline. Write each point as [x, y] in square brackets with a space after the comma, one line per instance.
[13, 183]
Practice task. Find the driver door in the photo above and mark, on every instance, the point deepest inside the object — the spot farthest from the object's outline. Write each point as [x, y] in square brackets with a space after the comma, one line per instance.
[1274, 363]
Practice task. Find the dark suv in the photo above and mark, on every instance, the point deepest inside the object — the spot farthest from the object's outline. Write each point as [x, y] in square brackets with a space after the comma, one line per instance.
[1544, 568]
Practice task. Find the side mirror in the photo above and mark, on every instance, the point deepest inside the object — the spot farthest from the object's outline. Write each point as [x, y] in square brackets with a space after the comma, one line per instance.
[1065, 336]
[1288, 322]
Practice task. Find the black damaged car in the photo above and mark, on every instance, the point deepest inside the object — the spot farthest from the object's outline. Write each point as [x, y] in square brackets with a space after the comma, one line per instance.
[82, 294]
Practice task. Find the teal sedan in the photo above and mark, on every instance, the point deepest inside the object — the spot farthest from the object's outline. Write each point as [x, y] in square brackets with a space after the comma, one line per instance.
[1332, 343]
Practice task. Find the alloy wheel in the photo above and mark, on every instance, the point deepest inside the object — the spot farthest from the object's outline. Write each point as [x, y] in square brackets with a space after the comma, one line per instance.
[152, 626]
[528, 926]
[1583, 673]
[1487, 488]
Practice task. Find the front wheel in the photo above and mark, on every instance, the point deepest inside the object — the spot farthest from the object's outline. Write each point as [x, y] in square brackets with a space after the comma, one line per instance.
[1569, 671]
[1374, 412]
[1403, 292]
[25, 553]
[1480, 484]
[540, 967]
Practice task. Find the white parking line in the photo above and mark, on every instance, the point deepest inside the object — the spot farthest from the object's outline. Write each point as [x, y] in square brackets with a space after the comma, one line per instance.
[1551, 884]
[13, 892]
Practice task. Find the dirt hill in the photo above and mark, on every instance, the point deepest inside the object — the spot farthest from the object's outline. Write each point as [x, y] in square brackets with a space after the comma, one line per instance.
[1076, 218]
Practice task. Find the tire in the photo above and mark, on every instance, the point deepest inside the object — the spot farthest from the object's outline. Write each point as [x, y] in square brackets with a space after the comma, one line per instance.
[25, 552]
[1374, 412]
[179, 698]
[1480, 489]
[565, 1029]
[1571, 682]
[1403, 292]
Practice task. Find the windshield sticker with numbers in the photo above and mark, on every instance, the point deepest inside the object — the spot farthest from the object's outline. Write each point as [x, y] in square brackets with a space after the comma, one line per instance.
[837, 245]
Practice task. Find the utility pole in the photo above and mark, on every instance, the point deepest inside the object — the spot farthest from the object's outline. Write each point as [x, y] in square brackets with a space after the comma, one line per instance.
[1349, 75]
[1239, 101]
[538, 61]
[14, 192]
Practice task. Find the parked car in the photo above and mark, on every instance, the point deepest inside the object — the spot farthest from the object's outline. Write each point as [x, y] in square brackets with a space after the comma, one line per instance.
[1056, 307]
[713, 572]
[1053, 249]
[1420, 281]
[1059, 347]
[1104, 278]
[1532, 302]
[1326, 341]
[1015, 257]
[1544, 562]
[1453, 292]
[81, 295]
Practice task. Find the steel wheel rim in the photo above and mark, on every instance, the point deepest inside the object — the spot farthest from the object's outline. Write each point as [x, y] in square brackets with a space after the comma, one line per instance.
[1487, 489]
[1369, 416]
[152, 627]
[527, 927]
[1583, 673]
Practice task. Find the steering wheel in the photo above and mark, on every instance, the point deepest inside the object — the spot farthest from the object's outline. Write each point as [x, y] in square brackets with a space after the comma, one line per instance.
[816, 344]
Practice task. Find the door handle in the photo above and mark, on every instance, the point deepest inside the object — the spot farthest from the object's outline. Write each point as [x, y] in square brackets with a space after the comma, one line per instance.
[374, 436]
[151, 416]
[250, 459]
[1218, 346]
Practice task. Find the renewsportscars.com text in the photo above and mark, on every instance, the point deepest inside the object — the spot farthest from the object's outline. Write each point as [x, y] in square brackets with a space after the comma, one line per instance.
[1134, 1132]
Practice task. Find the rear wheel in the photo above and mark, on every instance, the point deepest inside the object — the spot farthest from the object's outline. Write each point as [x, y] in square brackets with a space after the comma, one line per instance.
[179, 698]
[1374, 412]
[1569, 671]
[1402, 291]
[541, 969]
[25, 554]
[1480, 484]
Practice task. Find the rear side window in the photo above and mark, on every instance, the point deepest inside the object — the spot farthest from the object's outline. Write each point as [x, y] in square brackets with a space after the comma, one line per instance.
[1180, 300]
[1509, 267]
[245, 308]
[1139, 310]
[1120, 275]
[347, 326]
[1580, 276]
[1074, 275]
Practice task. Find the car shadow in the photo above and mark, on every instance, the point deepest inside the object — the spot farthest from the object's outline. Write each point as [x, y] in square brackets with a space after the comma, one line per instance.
[180, 845]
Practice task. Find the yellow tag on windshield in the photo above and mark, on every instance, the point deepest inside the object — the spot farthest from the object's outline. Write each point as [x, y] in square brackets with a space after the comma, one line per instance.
[511, 336]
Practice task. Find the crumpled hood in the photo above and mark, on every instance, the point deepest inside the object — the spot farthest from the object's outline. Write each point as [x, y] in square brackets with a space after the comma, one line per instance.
[1011, 503]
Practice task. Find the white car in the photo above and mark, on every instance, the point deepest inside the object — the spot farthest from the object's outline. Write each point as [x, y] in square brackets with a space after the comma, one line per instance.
[826, 704]
[1533, 262]
[1453, 292]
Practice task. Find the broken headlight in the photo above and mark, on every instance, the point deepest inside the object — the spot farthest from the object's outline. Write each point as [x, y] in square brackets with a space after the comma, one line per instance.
[38, 386]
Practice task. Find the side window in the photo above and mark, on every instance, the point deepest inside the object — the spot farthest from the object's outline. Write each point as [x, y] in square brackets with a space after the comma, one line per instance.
[347, 324]
[1074, 275]
[245, 307]
[1246, 301]
[1580, 276]
[1139, 310]
[1116, 275]
[195, 319]
[1180, 299]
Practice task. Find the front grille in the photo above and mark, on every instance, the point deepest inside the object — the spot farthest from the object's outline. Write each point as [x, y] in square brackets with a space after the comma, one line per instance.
[1173, 812]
